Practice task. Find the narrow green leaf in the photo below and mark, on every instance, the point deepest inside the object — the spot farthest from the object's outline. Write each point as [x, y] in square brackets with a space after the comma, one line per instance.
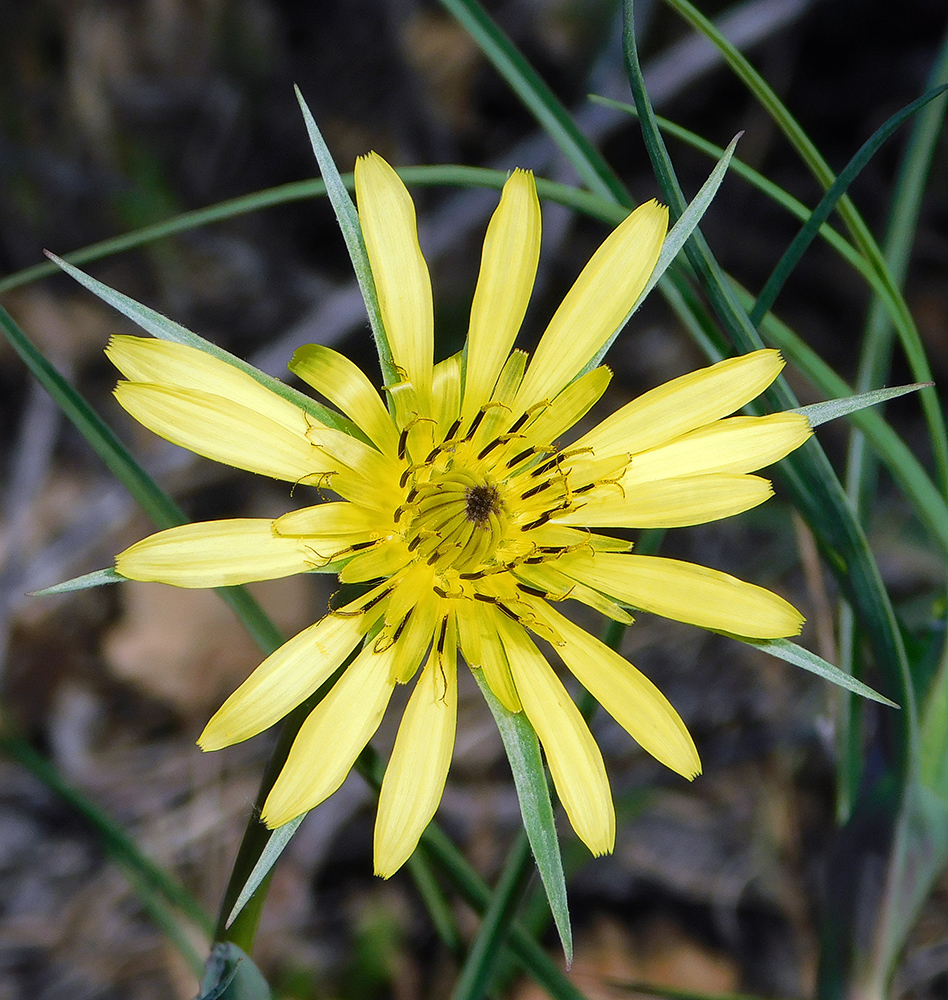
[806, 475]
[832, 409]
[98, 578]
[166, 329]
[538, 99]
[484, 958]
[436, 902]
[862, 237]
[348, 219]
[671, 993]
[789, 651]
[280, 837]
[828, 204]
[439, 175]
[860, 477]
[533, 791]
[230, 974]
[927, 502]
[146, 874]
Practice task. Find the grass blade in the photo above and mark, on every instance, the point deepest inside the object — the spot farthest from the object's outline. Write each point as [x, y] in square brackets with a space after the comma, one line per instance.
[539, 100]
[488, 948]
[828, 203]
[807, 474]
[908, 332]
[676, 239]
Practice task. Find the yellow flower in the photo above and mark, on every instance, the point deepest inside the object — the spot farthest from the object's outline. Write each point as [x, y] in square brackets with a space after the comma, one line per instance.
[464, 518]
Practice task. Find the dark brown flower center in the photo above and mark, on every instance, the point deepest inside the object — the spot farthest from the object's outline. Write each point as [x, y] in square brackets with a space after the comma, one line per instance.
[480, 502]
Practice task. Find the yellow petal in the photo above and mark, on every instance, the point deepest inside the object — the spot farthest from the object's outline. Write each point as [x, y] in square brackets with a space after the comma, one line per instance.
[416, 632]
[418, 768]
[671, 503]
[350, 453]
[598, 304]
[330, 520]
[483, 648]
[284, 679]
[222, 430]
[333, 735]
[732, 445]
[345, 385]
[387, 217]
[684, 404]
[446, 389]
[575, 761]
[686, 592]
[508, 271]
[627, 695]
[384, 559]
[571, 404]
[144, 359]
[214, 554]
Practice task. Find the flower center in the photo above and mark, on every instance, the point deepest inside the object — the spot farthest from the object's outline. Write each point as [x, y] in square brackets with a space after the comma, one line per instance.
[459, 521]
[481, 502]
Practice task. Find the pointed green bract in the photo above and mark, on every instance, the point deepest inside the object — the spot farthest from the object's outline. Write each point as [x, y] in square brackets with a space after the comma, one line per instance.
[783, 649]
[160, 326]
[833, 409]
[277, 841]
[98, 578]
[348, 219]
[533, 792]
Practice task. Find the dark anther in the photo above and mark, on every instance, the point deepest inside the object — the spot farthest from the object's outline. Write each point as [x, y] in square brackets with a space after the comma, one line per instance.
[536, 489]
[401, 627]
[485, 451]
[402, 443]
[518, 423]
[546, 466]
[517, 459]
[442, 634]
[475, 423]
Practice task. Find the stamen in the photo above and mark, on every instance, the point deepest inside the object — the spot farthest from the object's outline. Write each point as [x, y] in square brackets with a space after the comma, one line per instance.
[535, 490]
[484, 452]
[355, 612]
[475, 423]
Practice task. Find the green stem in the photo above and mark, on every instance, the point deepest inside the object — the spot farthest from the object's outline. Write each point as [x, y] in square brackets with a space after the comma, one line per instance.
[488, 947]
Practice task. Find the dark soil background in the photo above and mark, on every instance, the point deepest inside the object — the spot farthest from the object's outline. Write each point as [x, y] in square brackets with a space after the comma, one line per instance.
[118, 113]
